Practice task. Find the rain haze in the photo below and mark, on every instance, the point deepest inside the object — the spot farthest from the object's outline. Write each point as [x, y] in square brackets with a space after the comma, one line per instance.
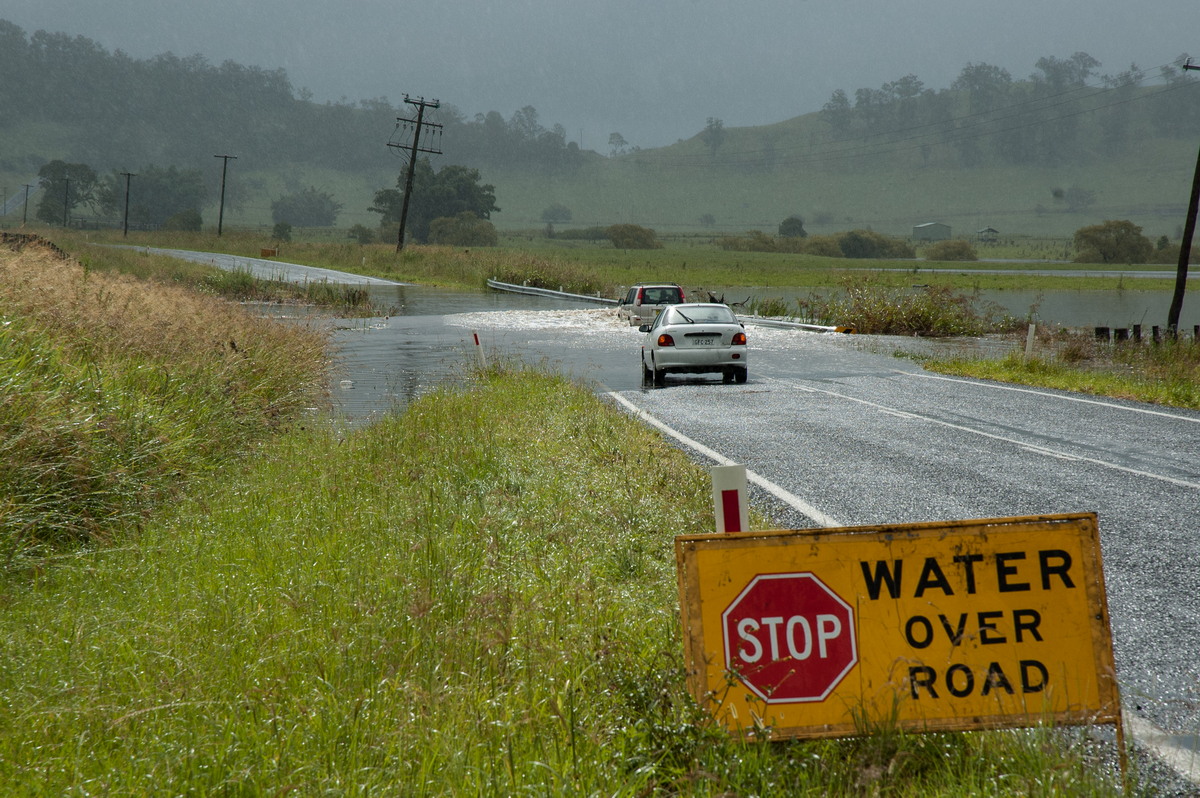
[652, 71]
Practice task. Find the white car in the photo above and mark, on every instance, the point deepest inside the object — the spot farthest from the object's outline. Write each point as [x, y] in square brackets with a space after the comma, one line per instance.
[694, 338]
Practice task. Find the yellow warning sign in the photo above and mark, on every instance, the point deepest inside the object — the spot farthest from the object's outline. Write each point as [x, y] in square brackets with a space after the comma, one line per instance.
[944, 626]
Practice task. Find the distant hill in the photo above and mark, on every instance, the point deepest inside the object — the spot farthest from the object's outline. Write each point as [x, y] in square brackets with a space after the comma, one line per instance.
[1041, 156]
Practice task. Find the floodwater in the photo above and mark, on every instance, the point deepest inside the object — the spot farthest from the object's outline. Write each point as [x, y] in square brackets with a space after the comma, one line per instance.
[428, 338]
[1085, 309]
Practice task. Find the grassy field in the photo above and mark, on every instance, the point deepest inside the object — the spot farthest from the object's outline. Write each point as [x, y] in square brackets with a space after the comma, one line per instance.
[474, 597]
[588, 267]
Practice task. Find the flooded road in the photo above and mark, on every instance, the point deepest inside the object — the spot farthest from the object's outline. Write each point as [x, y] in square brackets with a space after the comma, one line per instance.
[427, 339]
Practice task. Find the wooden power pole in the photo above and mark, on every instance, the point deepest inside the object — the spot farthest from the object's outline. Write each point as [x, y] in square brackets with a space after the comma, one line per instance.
[1185, 246]
[421, 104]
[125, 227]
[221, 211]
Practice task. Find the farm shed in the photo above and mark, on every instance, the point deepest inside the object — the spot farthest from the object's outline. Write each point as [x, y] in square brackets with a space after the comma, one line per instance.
[988, 234]
[931, 231]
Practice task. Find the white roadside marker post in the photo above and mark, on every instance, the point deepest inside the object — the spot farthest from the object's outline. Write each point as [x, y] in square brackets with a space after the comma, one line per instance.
[479, 348]
[729, 498]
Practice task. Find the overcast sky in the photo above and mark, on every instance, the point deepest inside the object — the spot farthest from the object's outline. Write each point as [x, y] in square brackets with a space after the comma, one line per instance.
[652, 70]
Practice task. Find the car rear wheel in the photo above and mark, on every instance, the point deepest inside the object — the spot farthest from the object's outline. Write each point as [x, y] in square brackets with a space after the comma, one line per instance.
[660, 378]
[740, 375]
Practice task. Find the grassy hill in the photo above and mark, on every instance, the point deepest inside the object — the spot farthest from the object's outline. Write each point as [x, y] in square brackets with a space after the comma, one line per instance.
[882, 187]
[832, 187]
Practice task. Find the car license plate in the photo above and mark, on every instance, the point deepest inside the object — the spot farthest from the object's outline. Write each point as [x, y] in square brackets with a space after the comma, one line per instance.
[708, 341]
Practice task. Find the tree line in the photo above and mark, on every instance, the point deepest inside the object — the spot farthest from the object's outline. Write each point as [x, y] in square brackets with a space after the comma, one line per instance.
[986, 116]
[172, 110]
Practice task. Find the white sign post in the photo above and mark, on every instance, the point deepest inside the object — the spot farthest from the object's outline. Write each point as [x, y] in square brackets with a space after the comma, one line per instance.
[729, 498]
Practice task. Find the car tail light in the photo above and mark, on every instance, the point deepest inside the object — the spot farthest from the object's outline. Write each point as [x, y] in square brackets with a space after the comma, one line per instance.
[665, 340]
[638, 301]
[739, 339]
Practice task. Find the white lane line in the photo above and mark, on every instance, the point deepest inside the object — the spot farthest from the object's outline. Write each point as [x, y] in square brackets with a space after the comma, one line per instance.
[1080, 399]
[1021, 444]
[1184, 761]
[785, 496]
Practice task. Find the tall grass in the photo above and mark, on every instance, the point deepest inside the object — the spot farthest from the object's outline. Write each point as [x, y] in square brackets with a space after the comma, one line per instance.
[876, 305]
[115, 389]
[474, 598]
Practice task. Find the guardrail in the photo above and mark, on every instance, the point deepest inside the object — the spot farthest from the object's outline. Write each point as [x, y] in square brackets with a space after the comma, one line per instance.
[527, 289]
[496, 285]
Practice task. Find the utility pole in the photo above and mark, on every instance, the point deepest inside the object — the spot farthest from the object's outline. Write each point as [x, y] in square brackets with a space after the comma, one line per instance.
[1185, 246]
[25, 213]
[421, 104]
[128, 175]
[221, 212]
[66, 198]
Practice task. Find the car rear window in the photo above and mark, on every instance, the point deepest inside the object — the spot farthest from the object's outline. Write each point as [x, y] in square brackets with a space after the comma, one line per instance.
[662, 296]
[720, 315]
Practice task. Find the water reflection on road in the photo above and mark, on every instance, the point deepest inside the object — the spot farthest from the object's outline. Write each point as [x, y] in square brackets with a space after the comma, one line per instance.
[426, 340]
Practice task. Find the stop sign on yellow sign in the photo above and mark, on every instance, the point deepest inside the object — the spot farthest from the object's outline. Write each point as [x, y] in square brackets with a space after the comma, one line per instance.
[957, 625]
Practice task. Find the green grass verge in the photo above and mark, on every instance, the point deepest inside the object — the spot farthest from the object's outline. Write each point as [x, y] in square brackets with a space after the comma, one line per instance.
[476, 597]
[1165, 374]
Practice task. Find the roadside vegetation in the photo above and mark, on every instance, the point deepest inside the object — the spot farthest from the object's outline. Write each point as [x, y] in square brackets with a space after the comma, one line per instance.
[1165, 372]
[475, 596]
[116, 391]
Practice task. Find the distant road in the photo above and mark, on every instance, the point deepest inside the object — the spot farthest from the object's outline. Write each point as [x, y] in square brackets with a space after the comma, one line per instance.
[267, 269]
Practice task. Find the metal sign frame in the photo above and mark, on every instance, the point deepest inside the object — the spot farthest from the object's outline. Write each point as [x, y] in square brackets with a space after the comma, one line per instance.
[989, 623]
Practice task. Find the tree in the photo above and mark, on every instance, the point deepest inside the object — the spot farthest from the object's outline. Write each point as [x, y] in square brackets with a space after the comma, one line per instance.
[435, 195]
[632, 236]
[464, 230]
[184, 220]
[307, 208]
[869, 244]
[65, 186]
[713, 135]
[617, 144]
[362, 234]
[1076, 198]
[555, 213]
[952, 249]
[838, 114]
[1112, 242]
[155, 194]
[792, 227]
